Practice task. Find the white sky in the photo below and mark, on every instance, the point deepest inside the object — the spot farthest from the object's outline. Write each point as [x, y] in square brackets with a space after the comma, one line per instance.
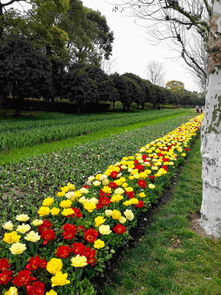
[132, 50]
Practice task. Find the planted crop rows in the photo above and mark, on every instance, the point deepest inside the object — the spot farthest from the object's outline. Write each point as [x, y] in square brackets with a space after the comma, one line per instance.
[18, 134]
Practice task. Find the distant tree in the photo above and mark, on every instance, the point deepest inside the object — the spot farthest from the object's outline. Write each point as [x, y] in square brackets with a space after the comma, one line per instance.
[121, 85]
[140, 89]
[99, 83]
[158, 96]
[155, 72]
[76, 87]
[188, 98]
[176, 87]
[86, 84]
[113, 91]
[149, 91]
[134, 91]
[24, 72]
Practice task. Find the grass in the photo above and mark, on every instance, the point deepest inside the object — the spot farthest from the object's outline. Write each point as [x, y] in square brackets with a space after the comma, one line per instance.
[172, 258]
[29, 132]
[25, 184]
[18, 154]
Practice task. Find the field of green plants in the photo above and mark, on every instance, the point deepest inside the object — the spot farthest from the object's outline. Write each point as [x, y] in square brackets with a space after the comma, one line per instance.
[45, 128]
[25, 184]
[29, 182]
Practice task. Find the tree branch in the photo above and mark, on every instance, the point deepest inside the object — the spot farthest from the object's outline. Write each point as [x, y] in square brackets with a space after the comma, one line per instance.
[186, 54]
[208, 7]
[197, 66]
[193, 19]
[11, 2]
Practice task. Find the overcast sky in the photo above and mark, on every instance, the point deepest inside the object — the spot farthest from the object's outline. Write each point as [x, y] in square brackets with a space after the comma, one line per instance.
[132, 49]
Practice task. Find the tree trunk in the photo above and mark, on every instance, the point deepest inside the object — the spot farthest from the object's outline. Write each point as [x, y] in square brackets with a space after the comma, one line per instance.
[124, 106]
[211, 133]
[1, 20]
[113, 107]
[17, 107]
[2, 99]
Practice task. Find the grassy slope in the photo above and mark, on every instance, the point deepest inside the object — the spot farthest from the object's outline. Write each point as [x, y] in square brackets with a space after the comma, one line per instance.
[18, 154]
[171, 258]
[26, 183]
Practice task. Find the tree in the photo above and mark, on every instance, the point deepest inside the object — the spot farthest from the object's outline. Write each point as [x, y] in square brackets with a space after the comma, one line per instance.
[175, 30]
[113, 91]
[194, 53]
[85, 84]
[90, 38]
[155, 72]
[134, 91]
[4, 6]
[176, 87]
[24, 72]
[204, 17]
[103, 37]
[159, 96]
[149, 91]
[39, 24]
[139, 97]
[121, 85]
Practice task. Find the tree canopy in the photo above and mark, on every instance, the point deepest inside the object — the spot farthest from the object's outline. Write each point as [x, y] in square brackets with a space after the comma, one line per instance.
[25, 72]
[61, 29]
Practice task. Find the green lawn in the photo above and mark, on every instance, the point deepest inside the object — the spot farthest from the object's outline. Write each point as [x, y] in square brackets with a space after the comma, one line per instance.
[173, 257]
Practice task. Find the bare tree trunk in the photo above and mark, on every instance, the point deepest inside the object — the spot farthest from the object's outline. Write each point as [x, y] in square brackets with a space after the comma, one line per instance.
[211, 133]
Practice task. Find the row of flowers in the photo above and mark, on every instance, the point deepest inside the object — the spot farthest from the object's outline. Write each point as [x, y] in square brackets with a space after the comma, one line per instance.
[77, 230]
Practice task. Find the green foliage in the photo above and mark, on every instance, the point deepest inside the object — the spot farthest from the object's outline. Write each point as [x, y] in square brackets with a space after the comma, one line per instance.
[122, 88]
[101, 35]
[84, 287]
[136, 88]
[15, 134]
[86, 84]
[176, 87]
[26, 183]
[90, 38]
[24, 71]
[76, 39]
[62, 29]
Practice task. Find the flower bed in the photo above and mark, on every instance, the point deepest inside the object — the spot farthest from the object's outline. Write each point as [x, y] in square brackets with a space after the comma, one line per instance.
[77, 231]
